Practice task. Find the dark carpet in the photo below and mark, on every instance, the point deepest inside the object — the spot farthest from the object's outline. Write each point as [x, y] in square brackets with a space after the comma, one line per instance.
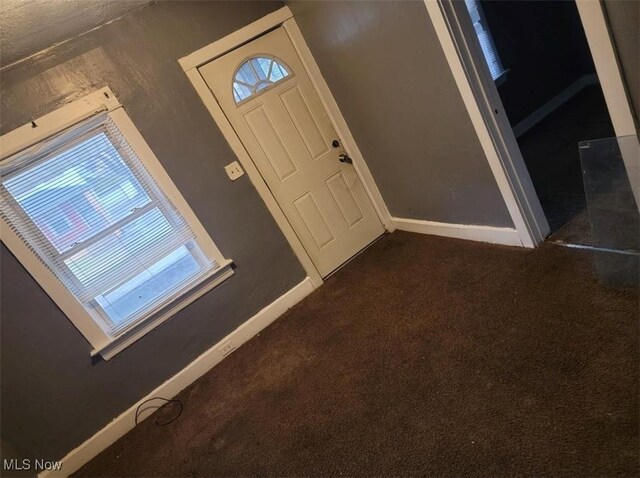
[423, 356]
[576, 231]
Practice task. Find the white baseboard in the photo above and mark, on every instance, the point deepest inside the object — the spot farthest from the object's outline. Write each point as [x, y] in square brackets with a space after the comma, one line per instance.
[554, 103]
[75, 459]
[493, 235]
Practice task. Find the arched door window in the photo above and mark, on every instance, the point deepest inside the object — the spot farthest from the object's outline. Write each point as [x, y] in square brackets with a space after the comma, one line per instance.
[257, 74]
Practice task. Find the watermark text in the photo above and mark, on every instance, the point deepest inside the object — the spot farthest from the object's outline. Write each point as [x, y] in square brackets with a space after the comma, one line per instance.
[26, 464]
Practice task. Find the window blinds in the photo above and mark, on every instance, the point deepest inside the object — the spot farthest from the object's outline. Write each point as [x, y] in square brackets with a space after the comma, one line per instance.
[484, 37]
[84, 203]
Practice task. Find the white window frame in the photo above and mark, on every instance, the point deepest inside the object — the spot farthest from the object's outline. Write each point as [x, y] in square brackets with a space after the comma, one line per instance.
[50, 124]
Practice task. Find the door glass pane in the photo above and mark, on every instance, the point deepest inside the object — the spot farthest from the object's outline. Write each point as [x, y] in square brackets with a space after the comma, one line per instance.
[241, 91]
[255, 75]
[246, 74]
[261, 66]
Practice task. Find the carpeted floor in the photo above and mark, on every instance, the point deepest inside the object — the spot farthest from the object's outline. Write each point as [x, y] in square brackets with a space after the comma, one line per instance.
[424, 356]
[576, 231]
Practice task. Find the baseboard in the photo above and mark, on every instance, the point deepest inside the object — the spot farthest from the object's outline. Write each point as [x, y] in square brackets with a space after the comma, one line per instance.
[554, 103]
[493, 235]
[122, 424]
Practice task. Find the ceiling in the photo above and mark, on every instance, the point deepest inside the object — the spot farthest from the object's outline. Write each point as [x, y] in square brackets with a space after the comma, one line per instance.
[29, 26]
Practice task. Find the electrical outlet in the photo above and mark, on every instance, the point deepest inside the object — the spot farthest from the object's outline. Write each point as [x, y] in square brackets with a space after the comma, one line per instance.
[226, 348]
[234, 171]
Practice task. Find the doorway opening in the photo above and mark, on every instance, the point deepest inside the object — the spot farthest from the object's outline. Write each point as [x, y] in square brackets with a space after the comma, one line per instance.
[538, 56]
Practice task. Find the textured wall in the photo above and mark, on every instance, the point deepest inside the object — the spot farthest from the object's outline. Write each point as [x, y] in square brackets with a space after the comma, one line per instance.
[624, 21]
[29, 26]
[389, 75]
[53, 398]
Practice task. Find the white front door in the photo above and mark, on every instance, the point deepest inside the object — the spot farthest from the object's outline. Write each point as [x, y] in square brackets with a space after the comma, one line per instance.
[275, 110]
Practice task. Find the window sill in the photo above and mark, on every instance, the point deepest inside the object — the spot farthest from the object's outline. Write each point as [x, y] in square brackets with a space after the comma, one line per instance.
[122, 341]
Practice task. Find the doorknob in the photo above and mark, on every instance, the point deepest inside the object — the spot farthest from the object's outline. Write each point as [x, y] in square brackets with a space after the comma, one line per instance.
[344, 158]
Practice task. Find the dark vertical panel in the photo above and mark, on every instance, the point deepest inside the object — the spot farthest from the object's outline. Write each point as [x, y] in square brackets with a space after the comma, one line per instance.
[52, 397]
[543, 45]
[388, 73]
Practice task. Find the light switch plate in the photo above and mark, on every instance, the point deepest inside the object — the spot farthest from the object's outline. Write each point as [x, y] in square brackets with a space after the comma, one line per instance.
[234, 170]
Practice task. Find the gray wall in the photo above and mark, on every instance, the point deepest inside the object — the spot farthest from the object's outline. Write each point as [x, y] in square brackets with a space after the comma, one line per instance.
[624, 21]
[387, 71]
[53, 398]
[29, 26]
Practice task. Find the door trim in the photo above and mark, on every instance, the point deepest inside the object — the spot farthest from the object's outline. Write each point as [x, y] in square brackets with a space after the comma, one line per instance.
[282, 17]
[481, 99]
[339, 123]
[596, 29]
[480, 96]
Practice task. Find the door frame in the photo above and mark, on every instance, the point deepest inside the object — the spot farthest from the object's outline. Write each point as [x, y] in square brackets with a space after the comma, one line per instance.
[481, 98]
[282, 17]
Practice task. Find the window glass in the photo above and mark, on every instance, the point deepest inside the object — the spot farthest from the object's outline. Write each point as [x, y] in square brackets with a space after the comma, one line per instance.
[87, 186]
[484, 37]
[255, 75]
[149, 287]
[97, 219]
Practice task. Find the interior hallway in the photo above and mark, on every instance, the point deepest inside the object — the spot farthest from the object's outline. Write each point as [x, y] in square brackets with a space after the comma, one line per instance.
[550, 151]
[424, 356]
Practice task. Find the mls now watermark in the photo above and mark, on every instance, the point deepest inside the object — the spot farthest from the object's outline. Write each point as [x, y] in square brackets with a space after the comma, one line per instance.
[37, 464]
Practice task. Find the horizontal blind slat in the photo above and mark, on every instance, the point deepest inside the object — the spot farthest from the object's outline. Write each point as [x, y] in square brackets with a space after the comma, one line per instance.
[487, 45]
[57, 197]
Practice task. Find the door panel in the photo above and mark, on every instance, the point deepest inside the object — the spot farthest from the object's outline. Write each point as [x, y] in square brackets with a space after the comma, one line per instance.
[288, 135]
[314, 220]
[344, 198]
[271, 143]
[305, 123]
